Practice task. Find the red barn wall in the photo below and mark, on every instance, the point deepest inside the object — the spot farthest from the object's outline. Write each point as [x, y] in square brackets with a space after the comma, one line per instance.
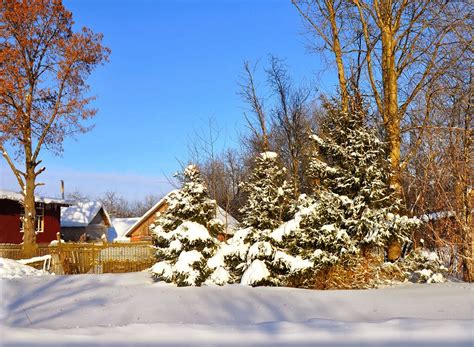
[10, 222]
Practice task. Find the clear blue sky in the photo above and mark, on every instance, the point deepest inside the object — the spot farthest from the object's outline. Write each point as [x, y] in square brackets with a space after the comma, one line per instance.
[173, 65]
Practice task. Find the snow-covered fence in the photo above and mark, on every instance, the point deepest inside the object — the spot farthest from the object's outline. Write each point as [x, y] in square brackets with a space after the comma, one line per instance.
[100, 258]
[14, 251]
[44, 259]
[78, 258]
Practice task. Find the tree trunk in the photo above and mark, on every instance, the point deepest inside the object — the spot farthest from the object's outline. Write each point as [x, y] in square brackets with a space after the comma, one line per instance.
[296, 169]
[29, 226]
[336, 44]
[467, 227]
[391, 115]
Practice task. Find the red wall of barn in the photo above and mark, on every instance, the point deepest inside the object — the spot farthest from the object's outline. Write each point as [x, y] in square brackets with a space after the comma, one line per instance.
[10, 223]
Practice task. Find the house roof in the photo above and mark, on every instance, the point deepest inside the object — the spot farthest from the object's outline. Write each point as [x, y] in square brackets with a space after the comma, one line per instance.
[14, 196]
[221, 214]
[82, 213]
[149, 213]
[120, 227]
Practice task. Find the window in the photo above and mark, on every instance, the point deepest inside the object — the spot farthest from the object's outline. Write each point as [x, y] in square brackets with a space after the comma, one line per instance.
[39, 220]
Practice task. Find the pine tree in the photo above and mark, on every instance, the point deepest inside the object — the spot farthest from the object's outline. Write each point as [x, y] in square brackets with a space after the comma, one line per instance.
[268, 194]
[180, 233]
[267, 207]
[190, 203]
[353, 206]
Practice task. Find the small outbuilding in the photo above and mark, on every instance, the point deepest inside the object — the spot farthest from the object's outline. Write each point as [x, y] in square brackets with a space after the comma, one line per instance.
[84, 221]
[140, 231]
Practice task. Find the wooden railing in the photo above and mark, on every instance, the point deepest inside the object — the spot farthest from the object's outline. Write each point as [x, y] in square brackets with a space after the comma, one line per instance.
[97, 258]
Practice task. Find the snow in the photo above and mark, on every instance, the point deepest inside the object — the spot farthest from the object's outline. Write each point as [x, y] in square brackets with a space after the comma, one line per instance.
[269, 155]
[10, 195]
[163, 268]
[185, 264]
[256, 272]
[81, 214]
[46, 259]
[15, 269]
[193, 231]
[220, 276]
[131, 310]
[230, 223]
[120, 228]
[292, 263]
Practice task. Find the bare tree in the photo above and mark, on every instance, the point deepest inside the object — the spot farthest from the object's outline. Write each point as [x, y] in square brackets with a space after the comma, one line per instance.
[326, 19]
[405, 43]
[291, 125]
[249, 94]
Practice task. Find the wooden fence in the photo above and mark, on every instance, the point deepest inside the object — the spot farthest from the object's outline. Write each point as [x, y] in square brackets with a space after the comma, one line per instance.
[98, 258]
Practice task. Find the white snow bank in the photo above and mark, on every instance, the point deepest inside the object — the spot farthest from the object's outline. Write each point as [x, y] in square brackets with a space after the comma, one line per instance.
[14, 269]
[131, 310]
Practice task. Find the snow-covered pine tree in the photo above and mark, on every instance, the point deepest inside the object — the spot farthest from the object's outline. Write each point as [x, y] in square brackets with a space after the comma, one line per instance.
[267, 206]
[268, 194]
[351, 163]
[354, 205]
[181, 234]
[190, 203]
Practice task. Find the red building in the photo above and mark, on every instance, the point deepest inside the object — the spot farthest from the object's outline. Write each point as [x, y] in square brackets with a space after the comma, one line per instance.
[48, 217]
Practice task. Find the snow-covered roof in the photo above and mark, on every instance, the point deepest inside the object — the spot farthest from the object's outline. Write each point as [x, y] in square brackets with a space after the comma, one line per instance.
[228, 220]
[81, 214]
[120, 228]
[10, 195]
[149, 212]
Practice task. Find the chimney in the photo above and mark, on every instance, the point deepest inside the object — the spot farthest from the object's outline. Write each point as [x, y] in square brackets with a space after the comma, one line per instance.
[62, 189]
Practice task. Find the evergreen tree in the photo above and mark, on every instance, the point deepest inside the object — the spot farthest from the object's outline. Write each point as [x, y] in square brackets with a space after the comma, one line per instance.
[267, 193]
[180, 233]
[353, 206]
[267, 207]
[190, 203]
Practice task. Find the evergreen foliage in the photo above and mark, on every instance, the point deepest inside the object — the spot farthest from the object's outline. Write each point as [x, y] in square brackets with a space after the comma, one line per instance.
[190, 203]
[353, 207]
[180, 233]
[267, 193]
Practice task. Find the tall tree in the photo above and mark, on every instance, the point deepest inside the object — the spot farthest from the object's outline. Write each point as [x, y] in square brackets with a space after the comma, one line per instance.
[44, 65]
[325, 18]
[403, 43]
[291, 124]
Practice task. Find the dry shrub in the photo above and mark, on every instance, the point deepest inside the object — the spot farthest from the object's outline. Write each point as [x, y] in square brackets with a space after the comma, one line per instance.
[358, 272]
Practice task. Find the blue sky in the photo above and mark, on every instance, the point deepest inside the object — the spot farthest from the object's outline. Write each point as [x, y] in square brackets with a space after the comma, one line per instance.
[174, 64]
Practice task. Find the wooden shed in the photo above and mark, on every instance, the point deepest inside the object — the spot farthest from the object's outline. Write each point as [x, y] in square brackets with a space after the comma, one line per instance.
[47, 217]
[140, 231]
[84, 221]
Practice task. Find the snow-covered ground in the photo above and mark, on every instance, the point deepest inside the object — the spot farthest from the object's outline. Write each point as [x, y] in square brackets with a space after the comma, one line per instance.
[18, 269]
[131, 310]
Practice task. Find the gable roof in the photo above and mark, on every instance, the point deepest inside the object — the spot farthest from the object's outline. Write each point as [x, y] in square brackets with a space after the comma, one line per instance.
[120, 227]
[221, 214]
[14, 196]
[149, 213]
[82, 213]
